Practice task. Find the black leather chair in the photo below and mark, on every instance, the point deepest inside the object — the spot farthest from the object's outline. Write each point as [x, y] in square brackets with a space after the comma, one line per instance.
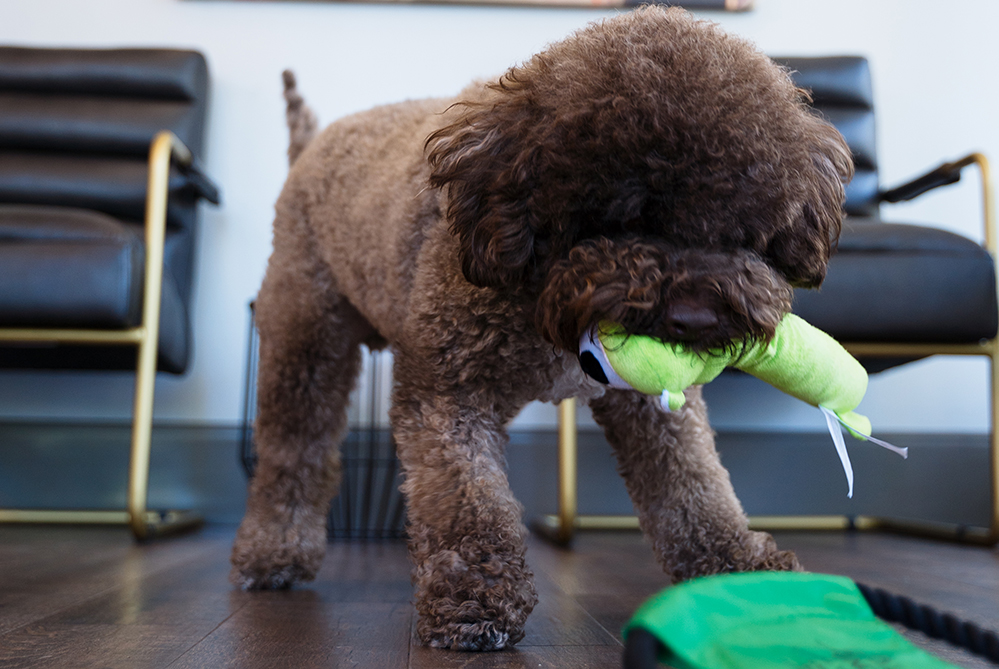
[98, 221]
[894, 293]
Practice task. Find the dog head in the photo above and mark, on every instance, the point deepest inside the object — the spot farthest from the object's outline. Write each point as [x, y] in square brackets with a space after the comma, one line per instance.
[649, 170]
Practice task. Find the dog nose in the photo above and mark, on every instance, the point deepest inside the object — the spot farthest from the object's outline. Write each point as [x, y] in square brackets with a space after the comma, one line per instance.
[686, 321]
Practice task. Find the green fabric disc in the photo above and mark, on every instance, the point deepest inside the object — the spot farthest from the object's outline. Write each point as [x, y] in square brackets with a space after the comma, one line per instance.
[774, 620]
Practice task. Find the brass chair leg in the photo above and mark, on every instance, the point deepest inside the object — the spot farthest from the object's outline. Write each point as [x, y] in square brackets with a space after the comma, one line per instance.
[994, 442]
[993, 537]
[983, 536]
[560, 528]
[148, 524]
[144, 524]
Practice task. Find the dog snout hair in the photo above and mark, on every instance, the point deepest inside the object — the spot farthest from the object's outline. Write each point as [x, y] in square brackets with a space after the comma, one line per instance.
[705, 299]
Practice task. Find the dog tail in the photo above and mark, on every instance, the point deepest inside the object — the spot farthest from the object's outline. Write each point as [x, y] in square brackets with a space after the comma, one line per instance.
[301, 119]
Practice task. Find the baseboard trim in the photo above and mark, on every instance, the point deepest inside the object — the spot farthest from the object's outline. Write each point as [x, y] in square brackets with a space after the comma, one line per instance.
[83, 465]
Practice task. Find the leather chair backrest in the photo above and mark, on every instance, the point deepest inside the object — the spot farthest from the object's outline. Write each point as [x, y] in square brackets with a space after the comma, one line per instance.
[841, 91]
[76, 125]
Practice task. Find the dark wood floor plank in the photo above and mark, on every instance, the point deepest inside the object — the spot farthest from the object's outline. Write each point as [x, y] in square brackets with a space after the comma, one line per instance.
[520, 657]
[357, 613]
[945, 651]
[91, 598]
[144, 608]
[609, 574]
[620, 569]
[192, 592]
[100, 645]
[560, 620]
[612, 611]
[961, 579]
[305, 631]
[40, 572]
[355, 571]
[74, 565]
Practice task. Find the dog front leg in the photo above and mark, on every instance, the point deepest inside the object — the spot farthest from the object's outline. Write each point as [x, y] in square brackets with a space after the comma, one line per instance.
[685, 502]
[466, 539]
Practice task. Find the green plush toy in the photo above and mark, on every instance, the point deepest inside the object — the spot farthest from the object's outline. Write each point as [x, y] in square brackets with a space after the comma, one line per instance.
[801, 360]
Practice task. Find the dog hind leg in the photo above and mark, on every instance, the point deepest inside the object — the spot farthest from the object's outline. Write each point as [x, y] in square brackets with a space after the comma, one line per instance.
[684, 498]
[309, 359]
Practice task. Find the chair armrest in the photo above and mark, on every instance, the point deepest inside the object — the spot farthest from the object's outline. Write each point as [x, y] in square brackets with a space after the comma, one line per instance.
[947, 174]
[944, 175]
[182, 157]
[203, 186]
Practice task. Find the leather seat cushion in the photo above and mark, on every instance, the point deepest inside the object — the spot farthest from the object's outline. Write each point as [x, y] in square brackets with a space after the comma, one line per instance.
[73, 268]
[114, 185]
[891, 282]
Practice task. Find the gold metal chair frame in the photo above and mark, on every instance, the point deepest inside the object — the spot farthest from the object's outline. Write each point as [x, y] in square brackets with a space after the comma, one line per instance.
[145, 524]
[561, 526]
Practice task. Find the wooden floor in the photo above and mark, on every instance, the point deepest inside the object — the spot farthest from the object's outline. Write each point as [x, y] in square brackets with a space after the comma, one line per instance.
[90, 598]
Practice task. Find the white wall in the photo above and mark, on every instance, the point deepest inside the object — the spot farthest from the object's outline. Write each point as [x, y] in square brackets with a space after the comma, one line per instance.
[935, 72]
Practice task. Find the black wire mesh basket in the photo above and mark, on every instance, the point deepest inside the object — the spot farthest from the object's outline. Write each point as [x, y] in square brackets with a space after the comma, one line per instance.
[369, 504]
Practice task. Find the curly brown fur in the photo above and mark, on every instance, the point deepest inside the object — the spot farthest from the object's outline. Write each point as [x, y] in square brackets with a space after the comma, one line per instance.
[649, 170]
[696, 524]
[659, 126]
[302, 123]
[640, 286]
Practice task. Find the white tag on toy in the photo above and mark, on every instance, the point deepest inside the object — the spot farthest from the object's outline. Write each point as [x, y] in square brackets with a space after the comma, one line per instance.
[835, 425]
[832, 422]
[904, 452]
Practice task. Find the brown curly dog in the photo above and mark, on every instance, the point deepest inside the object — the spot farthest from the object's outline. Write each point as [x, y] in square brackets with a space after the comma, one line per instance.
[650, 170]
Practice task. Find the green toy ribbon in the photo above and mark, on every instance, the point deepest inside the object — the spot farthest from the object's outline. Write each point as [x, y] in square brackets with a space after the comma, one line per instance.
[800, 360]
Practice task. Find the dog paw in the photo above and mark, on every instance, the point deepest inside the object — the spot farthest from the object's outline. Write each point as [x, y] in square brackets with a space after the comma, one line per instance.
[472, 605]
[768, 557]
[480, 636]
[269, 557]
[269, 576]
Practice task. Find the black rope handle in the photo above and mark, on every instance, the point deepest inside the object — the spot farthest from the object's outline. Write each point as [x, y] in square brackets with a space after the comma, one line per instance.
[642, 647]
[926, 619]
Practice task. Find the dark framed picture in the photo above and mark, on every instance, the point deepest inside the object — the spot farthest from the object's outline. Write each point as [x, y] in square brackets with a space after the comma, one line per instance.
[719, 5]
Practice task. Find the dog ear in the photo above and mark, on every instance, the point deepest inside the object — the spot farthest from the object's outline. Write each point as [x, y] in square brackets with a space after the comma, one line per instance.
[487, 177]
[801, 250]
